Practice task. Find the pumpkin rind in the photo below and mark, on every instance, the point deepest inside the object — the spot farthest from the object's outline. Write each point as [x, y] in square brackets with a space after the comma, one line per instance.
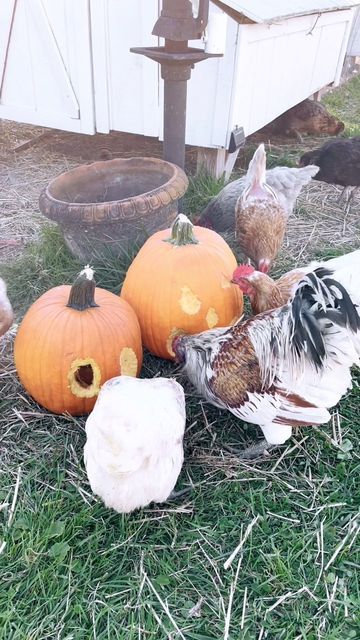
[182, 287]
[54, 341]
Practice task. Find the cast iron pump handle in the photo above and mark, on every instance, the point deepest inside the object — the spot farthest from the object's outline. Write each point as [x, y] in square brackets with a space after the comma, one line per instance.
[203, 14]
[177, 23]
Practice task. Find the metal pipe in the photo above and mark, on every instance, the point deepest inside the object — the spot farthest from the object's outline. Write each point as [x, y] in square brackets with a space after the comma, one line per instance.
[177, 25]
[174, 121]
[175, 78]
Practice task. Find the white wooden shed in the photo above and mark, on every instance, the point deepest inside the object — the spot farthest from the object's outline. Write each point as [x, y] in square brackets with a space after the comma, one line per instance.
[353, 48]
[66, 64]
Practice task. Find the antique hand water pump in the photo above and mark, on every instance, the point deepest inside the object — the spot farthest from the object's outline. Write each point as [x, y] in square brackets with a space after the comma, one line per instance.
[177, 25]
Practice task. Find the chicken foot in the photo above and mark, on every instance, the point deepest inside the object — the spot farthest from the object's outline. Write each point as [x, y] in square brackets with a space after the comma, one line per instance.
[347, 193]
[257, 450]
[174, 495]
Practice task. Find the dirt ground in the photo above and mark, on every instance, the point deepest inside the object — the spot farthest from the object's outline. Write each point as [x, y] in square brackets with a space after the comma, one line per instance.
[25, 170]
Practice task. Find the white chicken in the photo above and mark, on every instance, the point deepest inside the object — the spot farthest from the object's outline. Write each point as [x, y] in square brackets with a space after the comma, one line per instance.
[134, 448]
[6, 312]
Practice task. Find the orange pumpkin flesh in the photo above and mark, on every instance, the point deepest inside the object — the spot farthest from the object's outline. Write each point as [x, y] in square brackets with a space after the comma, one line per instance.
[63, 354]
[182, 285]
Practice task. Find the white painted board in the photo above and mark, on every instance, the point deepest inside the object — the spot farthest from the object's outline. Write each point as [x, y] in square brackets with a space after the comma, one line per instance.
[280, 65]
[126, 84]
[46, 69]
[354, 39]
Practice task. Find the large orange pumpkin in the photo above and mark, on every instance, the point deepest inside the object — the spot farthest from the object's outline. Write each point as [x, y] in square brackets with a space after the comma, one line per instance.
[71, 340]
[181, 281]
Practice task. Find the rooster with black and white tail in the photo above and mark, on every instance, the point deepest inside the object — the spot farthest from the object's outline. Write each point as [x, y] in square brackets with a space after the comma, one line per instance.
[288, 366]
[265, 293]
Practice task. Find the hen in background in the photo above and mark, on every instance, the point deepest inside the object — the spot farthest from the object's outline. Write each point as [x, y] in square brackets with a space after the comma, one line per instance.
[285, 367]
[308, 117]
[286, 182]
[134, 448]
[265, 293]
[339, 162]
[6, 312]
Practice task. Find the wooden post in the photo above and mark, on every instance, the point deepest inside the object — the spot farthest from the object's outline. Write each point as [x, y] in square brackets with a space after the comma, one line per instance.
[216, 162]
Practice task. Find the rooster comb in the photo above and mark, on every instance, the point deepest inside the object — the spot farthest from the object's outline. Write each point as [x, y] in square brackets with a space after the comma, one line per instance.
[242, 271]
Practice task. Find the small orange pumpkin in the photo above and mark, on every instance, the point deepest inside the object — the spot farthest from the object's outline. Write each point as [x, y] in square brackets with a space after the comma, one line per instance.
[71, 340]
[181, 281]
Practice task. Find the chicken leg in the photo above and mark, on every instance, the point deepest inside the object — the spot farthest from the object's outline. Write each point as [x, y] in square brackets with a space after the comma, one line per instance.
[260, 449]
[174, 495]
[257, 450]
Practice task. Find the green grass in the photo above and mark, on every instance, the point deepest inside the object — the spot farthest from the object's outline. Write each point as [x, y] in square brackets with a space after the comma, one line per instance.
[286, 156]
[48, 263]
[201, 189]
[73, 570]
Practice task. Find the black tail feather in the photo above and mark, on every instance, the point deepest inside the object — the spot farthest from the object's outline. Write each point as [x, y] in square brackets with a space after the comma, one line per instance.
[319, 297]
[344, 304]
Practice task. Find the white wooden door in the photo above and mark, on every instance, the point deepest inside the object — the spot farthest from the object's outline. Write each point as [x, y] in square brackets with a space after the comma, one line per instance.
[46, 63]
[209, 93]
[126, 85]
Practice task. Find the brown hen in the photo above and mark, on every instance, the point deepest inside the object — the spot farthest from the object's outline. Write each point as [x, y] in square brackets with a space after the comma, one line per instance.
[265, 293]
[260, 216]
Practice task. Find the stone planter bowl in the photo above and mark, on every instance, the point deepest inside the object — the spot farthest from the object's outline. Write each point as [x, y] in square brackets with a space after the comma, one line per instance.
[113, 205]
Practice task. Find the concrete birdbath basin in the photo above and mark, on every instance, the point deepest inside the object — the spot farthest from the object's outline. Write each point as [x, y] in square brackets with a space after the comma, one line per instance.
[113, 205]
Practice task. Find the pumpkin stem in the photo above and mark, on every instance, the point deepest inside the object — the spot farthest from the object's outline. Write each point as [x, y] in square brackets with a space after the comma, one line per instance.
[82, 292]
[182, 232]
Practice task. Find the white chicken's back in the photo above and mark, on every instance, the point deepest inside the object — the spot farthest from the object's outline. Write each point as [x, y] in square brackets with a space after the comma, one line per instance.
[6, 312]
[134, 448]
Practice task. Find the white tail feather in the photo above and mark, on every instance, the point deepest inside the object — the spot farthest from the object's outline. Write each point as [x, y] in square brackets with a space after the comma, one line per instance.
[257, 166]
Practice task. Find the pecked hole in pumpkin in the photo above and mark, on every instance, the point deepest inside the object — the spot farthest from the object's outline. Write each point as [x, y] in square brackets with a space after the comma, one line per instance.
[84, 376]
[128, 362]
[173, 333]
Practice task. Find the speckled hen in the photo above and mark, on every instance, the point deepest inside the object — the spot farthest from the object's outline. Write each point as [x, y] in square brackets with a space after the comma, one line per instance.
[219, 214]
[309, 117]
